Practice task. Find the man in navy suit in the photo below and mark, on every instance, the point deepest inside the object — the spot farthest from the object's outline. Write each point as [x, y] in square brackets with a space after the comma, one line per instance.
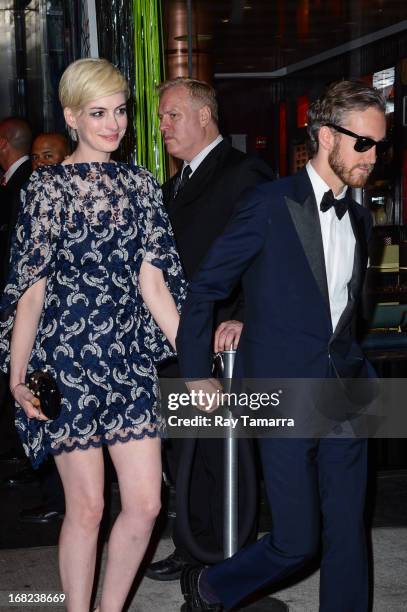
[300, 247]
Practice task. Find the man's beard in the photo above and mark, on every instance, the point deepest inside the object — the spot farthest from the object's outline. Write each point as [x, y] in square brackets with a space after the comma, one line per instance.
[349, 176]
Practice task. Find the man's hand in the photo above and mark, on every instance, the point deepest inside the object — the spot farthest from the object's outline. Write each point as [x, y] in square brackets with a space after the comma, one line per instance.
[206, 394]
[227, 336]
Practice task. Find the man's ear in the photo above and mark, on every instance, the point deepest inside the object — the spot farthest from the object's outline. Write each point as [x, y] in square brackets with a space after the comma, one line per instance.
[326, 138]
[3, 142]
[205, 115]
[70, 118]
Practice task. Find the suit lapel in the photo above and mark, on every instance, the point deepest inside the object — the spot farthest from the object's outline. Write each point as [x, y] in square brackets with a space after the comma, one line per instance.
[198, 180]
[304, 214]
[169, 190]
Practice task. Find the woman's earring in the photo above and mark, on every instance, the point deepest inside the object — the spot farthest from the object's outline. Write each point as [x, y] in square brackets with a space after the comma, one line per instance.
[73, 134]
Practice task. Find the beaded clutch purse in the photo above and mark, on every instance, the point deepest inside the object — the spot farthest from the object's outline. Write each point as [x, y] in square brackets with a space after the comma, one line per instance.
[43, 385]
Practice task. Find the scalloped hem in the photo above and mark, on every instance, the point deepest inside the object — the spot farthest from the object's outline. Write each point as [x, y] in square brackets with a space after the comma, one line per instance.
[94, 444]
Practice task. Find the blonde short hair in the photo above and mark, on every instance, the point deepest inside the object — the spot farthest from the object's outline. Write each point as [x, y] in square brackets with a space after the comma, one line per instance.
[89, 79]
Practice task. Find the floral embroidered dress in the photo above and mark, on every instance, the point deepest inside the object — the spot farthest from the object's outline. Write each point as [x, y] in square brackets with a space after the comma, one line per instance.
[88, 228]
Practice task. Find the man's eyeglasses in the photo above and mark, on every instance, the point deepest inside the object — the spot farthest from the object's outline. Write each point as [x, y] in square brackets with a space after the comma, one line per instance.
[363, 143]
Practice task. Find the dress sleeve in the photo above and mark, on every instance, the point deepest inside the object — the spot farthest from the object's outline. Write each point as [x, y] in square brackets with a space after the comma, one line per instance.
[33, 249]
[160, 250]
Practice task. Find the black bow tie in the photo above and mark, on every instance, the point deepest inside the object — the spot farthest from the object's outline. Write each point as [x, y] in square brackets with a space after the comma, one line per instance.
[182, 180]
[328, 200]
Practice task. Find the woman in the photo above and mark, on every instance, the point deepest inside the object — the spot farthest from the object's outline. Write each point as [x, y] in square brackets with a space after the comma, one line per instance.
[93, 269]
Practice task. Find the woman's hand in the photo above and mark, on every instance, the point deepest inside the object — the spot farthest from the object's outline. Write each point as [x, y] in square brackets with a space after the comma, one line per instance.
[207, 393]
[28, 402]
[159, 300]
[29, 309]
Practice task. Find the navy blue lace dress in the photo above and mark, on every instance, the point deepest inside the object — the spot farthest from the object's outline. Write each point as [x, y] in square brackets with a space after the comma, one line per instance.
[87, 228]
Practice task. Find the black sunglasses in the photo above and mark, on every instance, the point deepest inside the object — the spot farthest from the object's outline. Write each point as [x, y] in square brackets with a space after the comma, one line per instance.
[363, 143]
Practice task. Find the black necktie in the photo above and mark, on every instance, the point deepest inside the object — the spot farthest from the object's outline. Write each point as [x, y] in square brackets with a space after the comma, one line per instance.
[182, 180]
[328, 200]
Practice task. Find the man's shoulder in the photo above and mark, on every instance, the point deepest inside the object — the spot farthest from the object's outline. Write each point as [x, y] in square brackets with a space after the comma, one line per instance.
[284, 186]
[20, 176]
[228, 170]
[234, 158]
[264, 197]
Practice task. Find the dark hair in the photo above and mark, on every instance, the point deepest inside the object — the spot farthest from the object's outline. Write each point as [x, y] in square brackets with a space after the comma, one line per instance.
[339, 99]
[200, 92]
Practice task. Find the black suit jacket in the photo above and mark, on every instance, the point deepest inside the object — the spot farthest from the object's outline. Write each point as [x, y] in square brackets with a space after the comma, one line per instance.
[201, 210]
[9, 209]
[274, 243]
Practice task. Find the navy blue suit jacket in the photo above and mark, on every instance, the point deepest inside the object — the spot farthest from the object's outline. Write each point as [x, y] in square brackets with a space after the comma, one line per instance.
[273, 243]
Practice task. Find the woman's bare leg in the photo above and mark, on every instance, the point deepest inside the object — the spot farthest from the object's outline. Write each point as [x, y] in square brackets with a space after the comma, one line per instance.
[82, 476]
[138, 467]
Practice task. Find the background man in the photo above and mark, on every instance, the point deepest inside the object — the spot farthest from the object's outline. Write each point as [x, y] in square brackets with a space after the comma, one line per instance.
[15, 143]
[301, 243]
[48, 149]
[200, 200]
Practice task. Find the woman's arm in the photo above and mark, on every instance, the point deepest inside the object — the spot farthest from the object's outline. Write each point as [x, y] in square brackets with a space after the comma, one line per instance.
[25, 327]
[159, 300]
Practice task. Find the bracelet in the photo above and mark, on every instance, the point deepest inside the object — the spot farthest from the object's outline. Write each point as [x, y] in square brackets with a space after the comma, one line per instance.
[15, 387]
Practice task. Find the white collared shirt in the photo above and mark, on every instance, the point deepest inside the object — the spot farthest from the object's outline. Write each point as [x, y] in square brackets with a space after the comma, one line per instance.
[7, 175]
[198, 159]
[339, 247]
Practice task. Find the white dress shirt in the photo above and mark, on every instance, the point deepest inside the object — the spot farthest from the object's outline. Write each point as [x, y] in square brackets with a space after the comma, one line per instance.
[339, 247]
[198, 159]
[7, 175]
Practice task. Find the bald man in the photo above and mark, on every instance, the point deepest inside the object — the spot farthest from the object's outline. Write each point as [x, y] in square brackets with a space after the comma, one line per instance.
[15, 146]
[48, 149]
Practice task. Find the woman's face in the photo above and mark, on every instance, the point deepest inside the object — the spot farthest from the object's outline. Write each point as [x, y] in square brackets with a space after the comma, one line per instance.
[100, 125]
